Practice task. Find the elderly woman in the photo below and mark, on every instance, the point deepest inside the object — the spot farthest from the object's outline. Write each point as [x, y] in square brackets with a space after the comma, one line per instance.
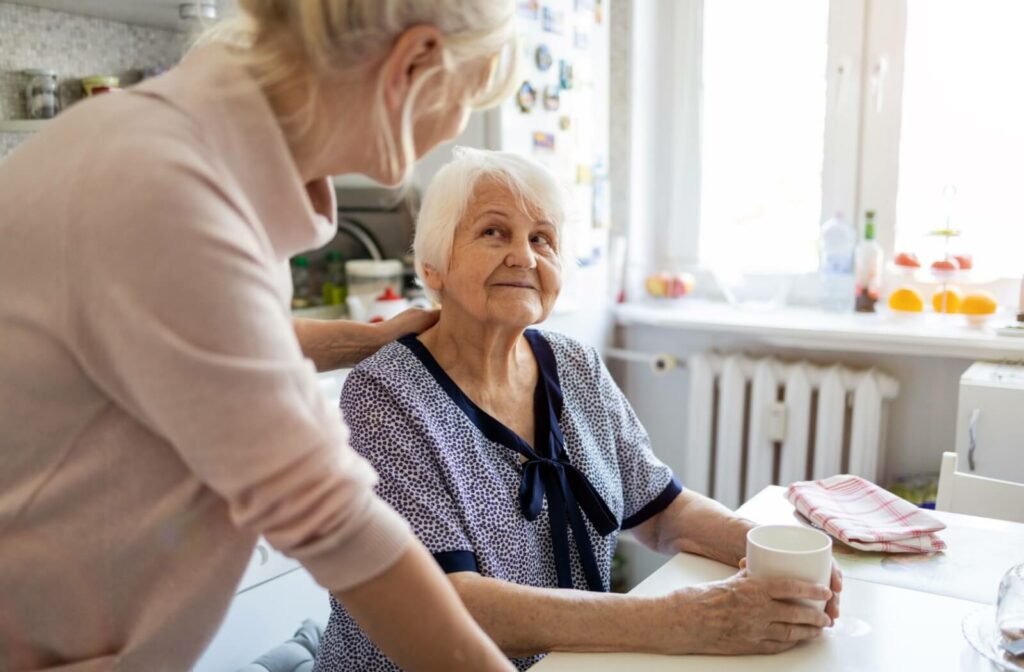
[518, 461]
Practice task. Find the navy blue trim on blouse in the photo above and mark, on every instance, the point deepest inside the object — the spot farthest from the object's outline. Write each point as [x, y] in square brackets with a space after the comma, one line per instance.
[656, 505]
[457, 561]
[546, 472]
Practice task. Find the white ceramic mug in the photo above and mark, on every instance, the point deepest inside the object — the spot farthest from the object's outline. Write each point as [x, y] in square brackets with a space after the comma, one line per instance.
[790, 552]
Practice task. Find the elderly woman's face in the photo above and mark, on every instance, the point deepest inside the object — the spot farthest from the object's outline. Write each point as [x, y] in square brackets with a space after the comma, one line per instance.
[505, 269]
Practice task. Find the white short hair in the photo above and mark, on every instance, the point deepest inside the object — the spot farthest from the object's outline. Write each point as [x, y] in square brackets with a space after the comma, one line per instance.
[452, 189]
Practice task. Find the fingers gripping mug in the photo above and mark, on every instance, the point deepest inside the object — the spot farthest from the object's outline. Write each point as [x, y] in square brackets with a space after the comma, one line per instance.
[790, 552]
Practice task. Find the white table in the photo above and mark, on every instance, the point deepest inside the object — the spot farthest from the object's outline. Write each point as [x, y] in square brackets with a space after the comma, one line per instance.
[978, 553]
[881, 627]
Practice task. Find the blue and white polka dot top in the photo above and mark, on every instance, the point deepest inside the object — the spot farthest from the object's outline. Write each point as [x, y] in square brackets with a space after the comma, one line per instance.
[550, 518]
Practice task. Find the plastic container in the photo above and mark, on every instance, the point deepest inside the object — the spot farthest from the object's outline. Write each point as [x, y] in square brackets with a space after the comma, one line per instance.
[838, 240]
[367, 279]
[42, 100]
[97, 84]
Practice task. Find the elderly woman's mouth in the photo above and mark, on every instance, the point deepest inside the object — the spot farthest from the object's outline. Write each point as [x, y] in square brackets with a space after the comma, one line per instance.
[514, 285]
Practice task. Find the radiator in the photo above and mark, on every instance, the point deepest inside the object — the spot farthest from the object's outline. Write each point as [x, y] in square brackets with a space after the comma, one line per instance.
[755, 422]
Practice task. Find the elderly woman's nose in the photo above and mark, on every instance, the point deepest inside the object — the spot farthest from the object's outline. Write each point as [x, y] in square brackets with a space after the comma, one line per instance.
[521, 254]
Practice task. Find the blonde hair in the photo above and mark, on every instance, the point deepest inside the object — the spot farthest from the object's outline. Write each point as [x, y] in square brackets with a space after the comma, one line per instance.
[450, 192]
[301, 44]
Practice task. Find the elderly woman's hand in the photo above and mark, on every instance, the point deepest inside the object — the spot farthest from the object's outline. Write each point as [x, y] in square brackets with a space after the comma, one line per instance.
[741, 615]
[832, 607]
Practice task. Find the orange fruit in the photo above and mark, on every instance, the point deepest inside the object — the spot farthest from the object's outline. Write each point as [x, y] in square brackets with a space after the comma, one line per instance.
[906, 299]
[979, 303]
[952, 298]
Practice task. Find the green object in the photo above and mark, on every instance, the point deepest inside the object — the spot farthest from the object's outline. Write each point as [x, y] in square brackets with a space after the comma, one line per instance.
[869, 225]
[334, 289]
[918, 489]
[301, 281]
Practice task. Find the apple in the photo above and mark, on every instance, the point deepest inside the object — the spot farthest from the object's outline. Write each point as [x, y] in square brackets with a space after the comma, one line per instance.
[908, 259]
[965, 261]
[669, 285]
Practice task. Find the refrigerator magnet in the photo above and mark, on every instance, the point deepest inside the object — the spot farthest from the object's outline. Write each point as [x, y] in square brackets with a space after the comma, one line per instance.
[528, 9]
[564, 122]
[580, 39]
[543, 143]
[553, 21]
[552, 98]
[542, 56]
[526, 97]
[565, 75]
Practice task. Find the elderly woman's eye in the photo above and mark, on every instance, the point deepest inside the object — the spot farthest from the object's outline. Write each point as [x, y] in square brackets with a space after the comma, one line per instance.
[491, 231]
[542, 240]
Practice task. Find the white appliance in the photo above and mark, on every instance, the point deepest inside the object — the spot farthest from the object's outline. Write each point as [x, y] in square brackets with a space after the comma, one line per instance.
[990, 421]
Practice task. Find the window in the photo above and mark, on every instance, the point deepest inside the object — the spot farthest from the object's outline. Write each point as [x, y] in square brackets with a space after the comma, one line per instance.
[910, 108]
[762, 134]
[961, 150]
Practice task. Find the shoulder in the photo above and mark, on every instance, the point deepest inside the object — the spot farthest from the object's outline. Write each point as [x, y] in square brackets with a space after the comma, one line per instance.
[393, 372]
[571, 355]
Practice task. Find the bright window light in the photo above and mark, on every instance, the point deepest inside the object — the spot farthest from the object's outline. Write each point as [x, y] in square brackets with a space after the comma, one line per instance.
[763, 129]
[963, 125]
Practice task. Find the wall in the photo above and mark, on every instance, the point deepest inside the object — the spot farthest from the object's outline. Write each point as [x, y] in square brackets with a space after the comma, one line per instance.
[75, 47]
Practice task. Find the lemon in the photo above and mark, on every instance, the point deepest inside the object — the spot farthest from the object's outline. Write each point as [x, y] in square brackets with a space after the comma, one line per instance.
[952, 298]
[979, 303]
[906, 299]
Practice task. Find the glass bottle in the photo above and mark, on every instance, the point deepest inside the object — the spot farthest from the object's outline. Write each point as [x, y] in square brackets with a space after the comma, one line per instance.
[333, 289]
[41, 98]
[301, 283]
[868, 265]
[1010, 605]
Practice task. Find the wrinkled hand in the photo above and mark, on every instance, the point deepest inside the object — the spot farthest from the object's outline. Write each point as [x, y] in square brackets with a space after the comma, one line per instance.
[832, 606]
[742, 615]
[410, 321]
[836, 584]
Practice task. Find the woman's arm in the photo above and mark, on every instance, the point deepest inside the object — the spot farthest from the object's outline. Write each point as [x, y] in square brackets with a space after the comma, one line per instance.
[336, 344]
[693, 523]
[735, 616]
[390, 608]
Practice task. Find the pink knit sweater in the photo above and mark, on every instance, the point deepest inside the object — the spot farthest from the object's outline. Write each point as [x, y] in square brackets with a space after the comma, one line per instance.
[156, 412]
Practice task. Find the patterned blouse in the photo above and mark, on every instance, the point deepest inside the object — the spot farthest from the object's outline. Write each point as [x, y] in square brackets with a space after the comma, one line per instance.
[550, 519]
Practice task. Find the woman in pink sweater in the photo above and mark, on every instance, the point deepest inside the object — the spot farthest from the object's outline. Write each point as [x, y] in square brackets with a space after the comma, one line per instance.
[158, 408]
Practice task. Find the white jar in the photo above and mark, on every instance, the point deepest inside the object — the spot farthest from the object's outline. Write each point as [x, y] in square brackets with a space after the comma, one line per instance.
[41, 98]
[368, 278]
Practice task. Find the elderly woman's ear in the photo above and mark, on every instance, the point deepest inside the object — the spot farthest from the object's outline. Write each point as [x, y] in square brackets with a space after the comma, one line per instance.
[432, 278]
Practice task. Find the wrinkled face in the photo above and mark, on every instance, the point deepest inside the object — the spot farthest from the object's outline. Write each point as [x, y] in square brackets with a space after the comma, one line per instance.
[505, 269]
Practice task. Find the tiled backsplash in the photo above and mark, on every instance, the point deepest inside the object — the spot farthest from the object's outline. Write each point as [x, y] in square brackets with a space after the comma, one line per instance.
[75, 47]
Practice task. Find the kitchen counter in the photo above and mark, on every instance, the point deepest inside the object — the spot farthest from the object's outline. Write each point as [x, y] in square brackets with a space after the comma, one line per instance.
[924, 334]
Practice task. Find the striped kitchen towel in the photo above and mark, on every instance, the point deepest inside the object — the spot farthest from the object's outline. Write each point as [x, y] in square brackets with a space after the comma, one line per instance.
[862, 515]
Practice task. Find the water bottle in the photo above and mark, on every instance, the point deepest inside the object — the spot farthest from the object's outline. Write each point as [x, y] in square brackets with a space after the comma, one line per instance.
[838, 242]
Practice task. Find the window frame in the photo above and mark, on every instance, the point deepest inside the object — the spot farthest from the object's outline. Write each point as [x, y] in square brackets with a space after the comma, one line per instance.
[860, 169]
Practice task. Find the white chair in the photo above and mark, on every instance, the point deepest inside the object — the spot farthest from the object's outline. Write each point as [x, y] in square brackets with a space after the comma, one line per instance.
[977, 495]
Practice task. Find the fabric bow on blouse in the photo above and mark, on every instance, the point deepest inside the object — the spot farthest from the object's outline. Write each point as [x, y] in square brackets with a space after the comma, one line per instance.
[546, 471]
